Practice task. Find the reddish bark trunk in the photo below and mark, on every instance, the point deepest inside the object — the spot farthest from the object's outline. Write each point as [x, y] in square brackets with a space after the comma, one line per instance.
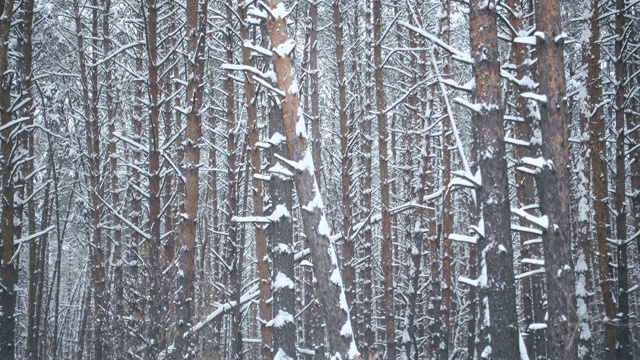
[553, 185]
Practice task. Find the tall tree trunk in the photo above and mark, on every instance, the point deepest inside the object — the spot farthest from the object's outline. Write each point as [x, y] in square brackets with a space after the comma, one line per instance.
[117, 326]
[345, 163]
[493, 193]
[196, 38]
[280, 232]
[7, 271]
[531, 293]
[584, 186]
[553, 184]
[623, 334]
[386, 255]
[26, 69]
[263, 266]
[234, 252]
[89, 78]
[367, 187]
[316, 144]
[597, 134]
[325, 262]
[447, 204]
[152, 248]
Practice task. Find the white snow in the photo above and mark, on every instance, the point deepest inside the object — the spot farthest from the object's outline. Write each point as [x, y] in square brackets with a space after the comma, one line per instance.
[323, 227]
[281, 355]
[513, 141]
[542, 221]
[528, 40]
[457, 54]
[280, 12]
[353, 349]
[278, 213]
[486, 352]
[522, 347]
[581, 264]
[282, 248]
[529, 273]
[473, 107]
[282, 281]
[463, 238]
[534, 96]
[466, 280]
[278, 169]
[533, 261]
[537, 326]
[301, 128]
[346, 329]
[560, 37]
[538, 162]
[335, 277]
[480, 228]
[276, 139]
[293, 89]
[343, 299]
[281, 319]
[285, 48]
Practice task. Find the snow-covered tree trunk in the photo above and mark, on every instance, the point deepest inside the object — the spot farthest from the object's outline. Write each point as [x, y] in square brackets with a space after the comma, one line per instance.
[90, 100]
[196, 26]
[497, 284]
[263, 266]
[7, 144]
[553, 183]
[345, 162]
[234, 251]
[280, 233]
[623, 335]
[156, 298]
[325, 261]
[367, 185]
[386, 255]
[25, 47]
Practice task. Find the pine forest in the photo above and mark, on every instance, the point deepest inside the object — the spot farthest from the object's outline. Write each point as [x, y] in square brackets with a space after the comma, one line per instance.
[335, 179]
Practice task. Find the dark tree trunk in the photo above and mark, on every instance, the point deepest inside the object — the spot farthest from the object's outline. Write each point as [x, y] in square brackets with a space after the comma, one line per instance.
[386, 252]
[280, 232]
[493, 194]
[623, 334]
[553, 184]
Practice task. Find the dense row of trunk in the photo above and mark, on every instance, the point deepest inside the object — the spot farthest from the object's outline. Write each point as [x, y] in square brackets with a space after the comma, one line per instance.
[182, 180]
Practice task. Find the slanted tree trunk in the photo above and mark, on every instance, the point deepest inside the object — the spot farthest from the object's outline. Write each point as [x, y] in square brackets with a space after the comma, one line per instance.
[553, 184]
[325, 262]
